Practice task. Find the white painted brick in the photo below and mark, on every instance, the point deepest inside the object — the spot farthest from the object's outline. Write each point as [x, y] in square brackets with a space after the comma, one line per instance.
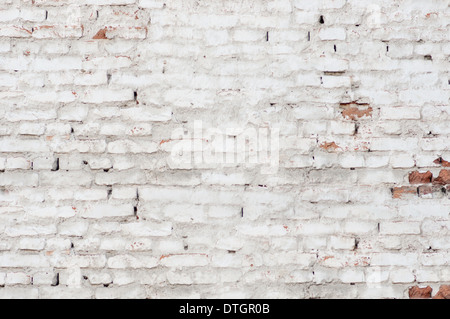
[148, 229]
[91, 194]
[427, 275]
[312, 79]
[402, 161]
[398, 113]
[105, 95]
[12, 146]
[17, 163]
[392, 228]
[19, 293]
[32, 14]
[124, 192]
[394, 259]
[31, 129]
[9, 14]
[129, 261]
[342, 242]
[19, 179]
[8, 80]
[100, 278]
[332, 34]
[352, 276]
[31, 243]
[5, 46]
[106, 210]
[73, 228]
[99, 163]
[151, 4]
[17, 279]
[17, 261]
[58, 244]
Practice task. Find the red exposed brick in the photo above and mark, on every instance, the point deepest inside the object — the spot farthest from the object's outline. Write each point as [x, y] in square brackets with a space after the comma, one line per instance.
[443, 178]
[101, 34]
[329, 146]
[399, 192]
[420, 293]
[355, 110]
[441, 161]
[425, 190]
[443, 293]
[420, 178]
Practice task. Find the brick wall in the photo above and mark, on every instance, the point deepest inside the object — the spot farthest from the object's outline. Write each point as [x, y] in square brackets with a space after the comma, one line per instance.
[214, 149]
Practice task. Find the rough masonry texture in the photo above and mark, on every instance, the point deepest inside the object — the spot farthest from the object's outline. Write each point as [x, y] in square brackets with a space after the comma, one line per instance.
[327, 176]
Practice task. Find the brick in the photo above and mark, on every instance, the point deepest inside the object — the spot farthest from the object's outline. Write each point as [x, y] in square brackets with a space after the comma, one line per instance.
[395, 228]
[393, 259]
[11, 260]
[148, 229]
[97, 95]
[106, 210]
[56, 64]
[17, 278]
[129, 261]
[443, 178]
[15, 31]
[17, 163]
[59, 178]
[417, 292]
[57, 31]
[402, 276]
[31, 244]
[28, 230]
[129, 146]
[19, 179]
[443, 292]
[19, 293]
[332, 34]
[125, 177]
[17, 146]
[74, 263]
[105, 95]
[420, 178]
[400, 192]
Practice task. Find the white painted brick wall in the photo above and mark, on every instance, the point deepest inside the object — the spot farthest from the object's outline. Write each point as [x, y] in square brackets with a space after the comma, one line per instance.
[161, 149]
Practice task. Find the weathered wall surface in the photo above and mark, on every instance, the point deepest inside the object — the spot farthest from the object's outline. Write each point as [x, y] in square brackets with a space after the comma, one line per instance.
[213, 149]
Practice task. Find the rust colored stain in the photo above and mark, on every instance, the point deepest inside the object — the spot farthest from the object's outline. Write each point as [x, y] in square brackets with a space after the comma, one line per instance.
[45, 27]
[23, 29]
[364, 261]
[101, 35]
[329, 146]
[441, 161]
[420, 293]
[398, 192]
[164, 141]
[420, 178]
